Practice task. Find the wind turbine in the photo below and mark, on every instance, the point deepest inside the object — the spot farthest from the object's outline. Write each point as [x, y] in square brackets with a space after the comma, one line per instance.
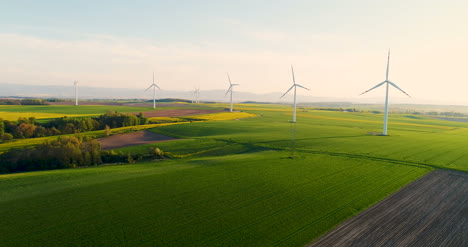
[76, 92]
[154, 92]
[196, 95]
[230, 89]
[387, 82]
[294, 86]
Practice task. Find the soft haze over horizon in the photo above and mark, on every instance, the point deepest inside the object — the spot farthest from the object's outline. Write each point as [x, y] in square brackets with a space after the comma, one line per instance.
[338, 48]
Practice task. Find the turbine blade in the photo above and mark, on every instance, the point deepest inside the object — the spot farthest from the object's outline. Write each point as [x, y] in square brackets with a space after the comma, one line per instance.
[229, 78]
[229, 89]
[388, 65]
[287, 91]
[235, 84]
[156, 86]
[393, 84]
[378, 85]
[302, 87]
[292, 70]
[149, 87]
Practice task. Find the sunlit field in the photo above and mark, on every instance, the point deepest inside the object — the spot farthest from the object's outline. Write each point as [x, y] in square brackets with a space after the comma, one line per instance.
[255, 181]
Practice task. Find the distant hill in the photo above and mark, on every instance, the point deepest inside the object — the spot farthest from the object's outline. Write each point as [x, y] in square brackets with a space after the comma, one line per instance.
[67, 92]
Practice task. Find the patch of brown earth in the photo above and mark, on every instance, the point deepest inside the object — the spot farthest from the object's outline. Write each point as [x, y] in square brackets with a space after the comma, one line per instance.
[132, 139]
[431, 211]
[178, 112]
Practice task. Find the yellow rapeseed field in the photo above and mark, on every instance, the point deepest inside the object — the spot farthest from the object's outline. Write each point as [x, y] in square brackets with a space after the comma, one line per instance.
[166, 119]
[224, 116]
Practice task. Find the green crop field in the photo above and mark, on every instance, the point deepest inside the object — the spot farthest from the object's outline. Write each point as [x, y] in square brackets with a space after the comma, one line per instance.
[251, 199]
[70, 109]
[232, 183]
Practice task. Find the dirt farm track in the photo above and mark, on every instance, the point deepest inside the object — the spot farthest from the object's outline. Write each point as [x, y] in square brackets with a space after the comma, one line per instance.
[431, 211]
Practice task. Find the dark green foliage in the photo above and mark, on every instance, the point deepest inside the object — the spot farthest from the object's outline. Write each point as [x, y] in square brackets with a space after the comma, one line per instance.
[7, 137]
[113, 156]
[116, 120]
[65, 152]
[2, 127]
[29, 127]
[22, 102]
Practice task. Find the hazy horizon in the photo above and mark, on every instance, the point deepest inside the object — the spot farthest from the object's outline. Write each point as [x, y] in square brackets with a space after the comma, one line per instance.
[338, 48]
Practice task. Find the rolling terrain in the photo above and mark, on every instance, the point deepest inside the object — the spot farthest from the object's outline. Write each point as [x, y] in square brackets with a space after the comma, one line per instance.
[240, 182]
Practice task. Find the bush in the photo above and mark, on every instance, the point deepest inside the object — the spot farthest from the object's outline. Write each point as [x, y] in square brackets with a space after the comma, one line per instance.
[7, 136]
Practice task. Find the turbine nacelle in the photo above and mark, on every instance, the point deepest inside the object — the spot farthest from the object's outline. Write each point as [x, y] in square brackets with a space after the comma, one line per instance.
[231, 86]
[295, 85]
[154, 86]
[387, 82]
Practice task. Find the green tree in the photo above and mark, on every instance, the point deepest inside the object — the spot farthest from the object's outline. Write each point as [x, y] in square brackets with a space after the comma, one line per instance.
[2, 127]
[24, 130]
[107, 129]
[7, 136]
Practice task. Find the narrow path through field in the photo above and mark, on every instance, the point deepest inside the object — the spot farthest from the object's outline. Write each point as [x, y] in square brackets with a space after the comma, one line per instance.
[432, 211]
[132, 139]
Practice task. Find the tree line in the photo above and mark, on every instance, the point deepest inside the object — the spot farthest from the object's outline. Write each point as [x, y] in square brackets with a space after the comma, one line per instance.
[22, 102]
[29, 127]
[68, 152]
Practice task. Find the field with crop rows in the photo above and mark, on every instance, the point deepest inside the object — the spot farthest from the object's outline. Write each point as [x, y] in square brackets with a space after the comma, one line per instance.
[429, 212]
[252, 199]
[238, 182]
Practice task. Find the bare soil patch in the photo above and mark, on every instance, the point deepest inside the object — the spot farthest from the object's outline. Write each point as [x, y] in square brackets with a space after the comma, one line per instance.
[178, 112]
[431, 211]
[132, 139]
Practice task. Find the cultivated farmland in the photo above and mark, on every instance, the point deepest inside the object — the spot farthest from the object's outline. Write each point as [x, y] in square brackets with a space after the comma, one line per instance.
[237, 182]
[429, 212]
[254, 199]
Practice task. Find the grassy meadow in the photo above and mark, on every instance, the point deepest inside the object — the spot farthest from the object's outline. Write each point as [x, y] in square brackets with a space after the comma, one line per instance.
[232, 182]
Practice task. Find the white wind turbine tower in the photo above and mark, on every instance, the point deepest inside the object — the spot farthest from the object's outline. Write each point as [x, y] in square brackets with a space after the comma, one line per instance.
[196, 96]
[387, 82]
[194, 93]
[294, 86]
[76, 92]
[230, 89]
[154, 92]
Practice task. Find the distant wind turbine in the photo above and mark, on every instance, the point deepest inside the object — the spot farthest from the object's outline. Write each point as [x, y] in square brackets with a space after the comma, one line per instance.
[196, 95]
[231, 86]
[76, 92]
[154, 86]
[387, 82]
[294, 86]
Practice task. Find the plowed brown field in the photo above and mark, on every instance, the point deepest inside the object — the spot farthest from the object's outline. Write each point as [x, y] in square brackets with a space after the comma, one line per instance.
[432, 211]
[132, 139]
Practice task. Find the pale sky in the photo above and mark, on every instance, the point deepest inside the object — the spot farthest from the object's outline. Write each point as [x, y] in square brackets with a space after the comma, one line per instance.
[338, 48]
